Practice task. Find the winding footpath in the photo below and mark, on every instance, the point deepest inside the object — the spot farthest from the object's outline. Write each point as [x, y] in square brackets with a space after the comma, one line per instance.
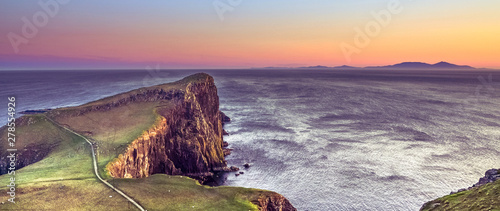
[97, 172]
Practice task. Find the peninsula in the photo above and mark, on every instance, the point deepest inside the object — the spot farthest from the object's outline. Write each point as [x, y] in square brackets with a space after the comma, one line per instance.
[158, 145]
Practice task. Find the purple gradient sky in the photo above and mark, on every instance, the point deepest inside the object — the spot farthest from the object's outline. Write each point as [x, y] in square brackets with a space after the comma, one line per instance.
[189, 34]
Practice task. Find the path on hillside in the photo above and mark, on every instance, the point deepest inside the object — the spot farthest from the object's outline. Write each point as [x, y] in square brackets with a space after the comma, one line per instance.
[96, 169]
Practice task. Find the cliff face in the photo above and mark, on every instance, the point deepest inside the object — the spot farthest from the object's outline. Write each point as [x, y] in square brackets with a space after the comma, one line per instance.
[32, 147]
[273, 202]
[186, 141]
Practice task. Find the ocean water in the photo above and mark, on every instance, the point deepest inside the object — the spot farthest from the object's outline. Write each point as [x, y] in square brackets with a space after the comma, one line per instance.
[326, 140]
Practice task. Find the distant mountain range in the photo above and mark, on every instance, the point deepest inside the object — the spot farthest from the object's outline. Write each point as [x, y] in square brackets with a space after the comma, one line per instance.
[421, 65]
[403, 65]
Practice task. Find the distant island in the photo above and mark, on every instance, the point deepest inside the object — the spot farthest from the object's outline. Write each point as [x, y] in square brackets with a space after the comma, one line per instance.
[404, 65]
[421, 65]
[345, 67]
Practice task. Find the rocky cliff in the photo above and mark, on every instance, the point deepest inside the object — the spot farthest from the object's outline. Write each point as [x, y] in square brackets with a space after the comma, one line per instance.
[273, 202]
[187, 140]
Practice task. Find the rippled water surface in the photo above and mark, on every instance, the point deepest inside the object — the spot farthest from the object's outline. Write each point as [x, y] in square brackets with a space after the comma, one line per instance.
[327, 140]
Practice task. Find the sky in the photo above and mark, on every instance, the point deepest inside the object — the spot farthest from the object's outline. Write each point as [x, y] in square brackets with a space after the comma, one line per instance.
[94, 34]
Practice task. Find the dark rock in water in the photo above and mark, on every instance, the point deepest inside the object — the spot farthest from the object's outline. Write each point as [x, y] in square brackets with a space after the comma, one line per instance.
[242, 172]
[226, 169]
[234, 168]
[226, 151]
[490, 176]
[246, 165]
[225, 119]
[236, 174]
[224, 132]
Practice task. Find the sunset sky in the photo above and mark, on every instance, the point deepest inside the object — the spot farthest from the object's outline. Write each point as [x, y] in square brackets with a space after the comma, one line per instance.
[254, 33]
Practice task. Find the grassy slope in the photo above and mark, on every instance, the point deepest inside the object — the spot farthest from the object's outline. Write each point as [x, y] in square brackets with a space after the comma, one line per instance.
[112, 130]
[64, 178]
[486, 197]
[164, 192]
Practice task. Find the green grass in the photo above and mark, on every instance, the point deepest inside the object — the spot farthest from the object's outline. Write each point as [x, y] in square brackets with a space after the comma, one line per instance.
[85, 194]
[486, 197]
[164, 192]
[63, 149]
[63, 179]
[113, 130]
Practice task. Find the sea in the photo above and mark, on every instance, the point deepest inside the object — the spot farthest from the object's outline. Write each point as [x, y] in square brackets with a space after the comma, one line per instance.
[325, 139]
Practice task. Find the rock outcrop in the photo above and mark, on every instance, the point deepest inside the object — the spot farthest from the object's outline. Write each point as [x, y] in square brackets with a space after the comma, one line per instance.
[273, 202]
[30, 151]
[490, 176]
[188, 139]
[481, 196]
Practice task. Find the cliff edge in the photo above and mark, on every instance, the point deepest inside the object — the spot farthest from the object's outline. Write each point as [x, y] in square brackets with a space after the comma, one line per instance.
[187, 139]
[273, 202]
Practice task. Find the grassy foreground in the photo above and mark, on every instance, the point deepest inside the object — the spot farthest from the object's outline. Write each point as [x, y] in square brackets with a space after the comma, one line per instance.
[486, 197]
[64, 180]
[111, 130]
[164, 192]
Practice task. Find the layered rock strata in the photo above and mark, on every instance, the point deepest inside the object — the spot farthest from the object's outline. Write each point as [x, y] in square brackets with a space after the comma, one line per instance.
[188, 139]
